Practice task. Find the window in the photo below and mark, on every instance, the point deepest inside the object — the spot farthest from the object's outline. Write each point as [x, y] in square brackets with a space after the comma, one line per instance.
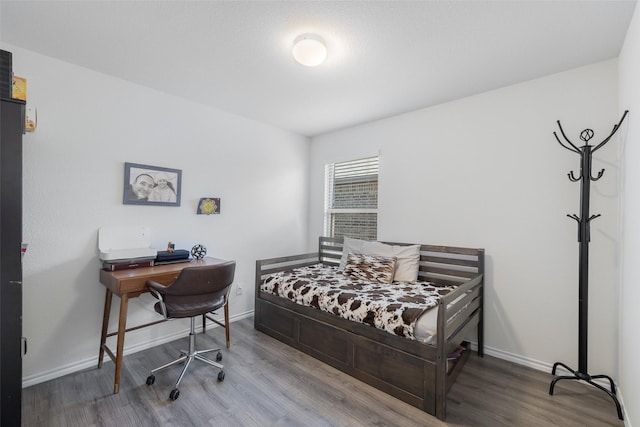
[351, 199]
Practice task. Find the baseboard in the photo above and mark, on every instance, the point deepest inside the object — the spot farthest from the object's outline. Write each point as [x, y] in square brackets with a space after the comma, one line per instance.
[528, 362]
[92, 362]
[515, 358]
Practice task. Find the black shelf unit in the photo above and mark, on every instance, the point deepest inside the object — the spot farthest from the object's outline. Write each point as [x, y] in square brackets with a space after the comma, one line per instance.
[11, 130]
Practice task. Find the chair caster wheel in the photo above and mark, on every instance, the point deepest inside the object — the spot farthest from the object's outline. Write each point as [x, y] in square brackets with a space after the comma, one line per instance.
[175, 393]
[218, 357]
[221, 376]
[151, 379]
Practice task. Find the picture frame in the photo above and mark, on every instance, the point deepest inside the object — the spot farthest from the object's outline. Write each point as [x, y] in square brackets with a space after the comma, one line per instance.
[151, 185]
[208, 206]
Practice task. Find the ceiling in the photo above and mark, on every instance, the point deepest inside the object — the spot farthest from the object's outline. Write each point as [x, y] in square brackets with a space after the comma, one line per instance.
[385, 57]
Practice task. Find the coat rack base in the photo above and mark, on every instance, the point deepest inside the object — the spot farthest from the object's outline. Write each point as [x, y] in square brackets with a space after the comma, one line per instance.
[581, 376]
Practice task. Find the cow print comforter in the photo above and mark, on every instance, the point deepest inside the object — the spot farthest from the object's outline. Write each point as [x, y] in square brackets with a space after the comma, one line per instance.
[393, 307]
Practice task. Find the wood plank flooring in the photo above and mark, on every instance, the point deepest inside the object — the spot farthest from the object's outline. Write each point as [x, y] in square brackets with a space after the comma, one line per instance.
[270, 384]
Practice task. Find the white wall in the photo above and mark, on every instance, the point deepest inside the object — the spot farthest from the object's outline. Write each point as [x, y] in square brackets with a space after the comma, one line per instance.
[89, 124]
[486, 171]
[629, 68]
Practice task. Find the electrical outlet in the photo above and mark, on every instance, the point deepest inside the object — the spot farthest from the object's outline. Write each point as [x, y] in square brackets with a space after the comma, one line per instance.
[239, 290]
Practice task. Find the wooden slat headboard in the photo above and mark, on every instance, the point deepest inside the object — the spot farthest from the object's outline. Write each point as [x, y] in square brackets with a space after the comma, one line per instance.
[445, 265]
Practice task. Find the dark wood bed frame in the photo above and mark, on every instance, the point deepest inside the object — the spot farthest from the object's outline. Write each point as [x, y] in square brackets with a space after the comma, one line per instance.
[409, 370]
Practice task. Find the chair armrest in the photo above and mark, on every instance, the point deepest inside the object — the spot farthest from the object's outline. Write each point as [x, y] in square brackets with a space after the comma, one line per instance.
[156, 290]
[155, 286]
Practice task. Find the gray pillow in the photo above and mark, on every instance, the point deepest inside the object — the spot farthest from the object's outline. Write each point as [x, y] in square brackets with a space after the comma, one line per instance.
[353, 246]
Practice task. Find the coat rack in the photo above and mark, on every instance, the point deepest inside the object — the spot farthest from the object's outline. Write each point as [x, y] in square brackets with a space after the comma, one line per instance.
[584, 236]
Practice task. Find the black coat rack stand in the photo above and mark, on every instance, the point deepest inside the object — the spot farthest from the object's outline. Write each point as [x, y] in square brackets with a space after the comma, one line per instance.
[585, 178]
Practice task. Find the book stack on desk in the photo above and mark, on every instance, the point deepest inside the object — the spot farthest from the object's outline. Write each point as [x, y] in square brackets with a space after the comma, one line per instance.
[124, 264]
[176, 256]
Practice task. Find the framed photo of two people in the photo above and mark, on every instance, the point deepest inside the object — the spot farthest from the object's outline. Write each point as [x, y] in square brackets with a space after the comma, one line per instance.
[151, 185]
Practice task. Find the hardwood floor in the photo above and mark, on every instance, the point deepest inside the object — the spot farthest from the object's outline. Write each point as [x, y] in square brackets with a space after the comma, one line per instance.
[270, 384]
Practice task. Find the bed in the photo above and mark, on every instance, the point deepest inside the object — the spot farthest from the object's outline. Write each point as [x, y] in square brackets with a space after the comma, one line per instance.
[418, 370]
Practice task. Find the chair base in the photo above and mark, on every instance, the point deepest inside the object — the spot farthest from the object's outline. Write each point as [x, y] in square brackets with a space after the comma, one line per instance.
[187, 357]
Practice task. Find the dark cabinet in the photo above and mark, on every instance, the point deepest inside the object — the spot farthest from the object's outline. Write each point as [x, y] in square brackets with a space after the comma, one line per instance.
[12, 125]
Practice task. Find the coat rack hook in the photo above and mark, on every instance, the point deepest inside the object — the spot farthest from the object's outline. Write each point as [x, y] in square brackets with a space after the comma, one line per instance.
[572, 148]
[572, 177]
[574, 216]
[593, 217]
[615, 129]
[599, 176]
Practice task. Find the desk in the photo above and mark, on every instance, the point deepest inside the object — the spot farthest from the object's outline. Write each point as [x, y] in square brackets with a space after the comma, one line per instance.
[132, 283]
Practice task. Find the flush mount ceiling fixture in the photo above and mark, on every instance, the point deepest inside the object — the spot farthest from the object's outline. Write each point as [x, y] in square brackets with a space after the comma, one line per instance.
[309, 50]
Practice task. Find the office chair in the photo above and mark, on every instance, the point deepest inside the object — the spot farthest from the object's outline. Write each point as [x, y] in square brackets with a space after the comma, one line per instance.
[195, 292]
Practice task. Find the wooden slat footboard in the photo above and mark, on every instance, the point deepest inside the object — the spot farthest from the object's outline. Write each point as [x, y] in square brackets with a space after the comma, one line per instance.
[411, 371]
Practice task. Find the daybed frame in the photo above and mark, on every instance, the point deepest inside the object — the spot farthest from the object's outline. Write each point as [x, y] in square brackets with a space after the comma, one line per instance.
[409, 370]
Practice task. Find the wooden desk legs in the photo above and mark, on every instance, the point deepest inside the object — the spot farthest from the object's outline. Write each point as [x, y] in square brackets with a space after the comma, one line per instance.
[225, 325]
[105, 326]
[122, 327]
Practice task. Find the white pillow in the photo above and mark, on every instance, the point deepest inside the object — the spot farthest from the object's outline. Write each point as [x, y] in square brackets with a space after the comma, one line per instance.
[408, 258]
[350, 245]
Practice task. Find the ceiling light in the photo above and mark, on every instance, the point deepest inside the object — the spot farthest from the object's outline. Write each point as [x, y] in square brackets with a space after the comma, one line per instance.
[309, 50]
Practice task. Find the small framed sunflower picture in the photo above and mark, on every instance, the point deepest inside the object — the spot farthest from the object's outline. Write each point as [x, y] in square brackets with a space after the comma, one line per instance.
[208, 206]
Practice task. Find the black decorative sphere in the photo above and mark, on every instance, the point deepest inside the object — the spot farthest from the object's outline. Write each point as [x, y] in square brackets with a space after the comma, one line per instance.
[586, 135]
[198, 251]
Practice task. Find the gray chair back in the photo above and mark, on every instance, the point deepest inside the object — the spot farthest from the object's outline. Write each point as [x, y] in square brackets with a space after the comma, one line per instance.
[198, 290]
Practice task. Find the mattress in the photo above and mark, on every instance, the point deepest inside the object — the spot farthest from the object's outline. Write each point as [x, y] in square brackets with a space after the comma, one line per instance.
[400, 308]
[426, 329]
